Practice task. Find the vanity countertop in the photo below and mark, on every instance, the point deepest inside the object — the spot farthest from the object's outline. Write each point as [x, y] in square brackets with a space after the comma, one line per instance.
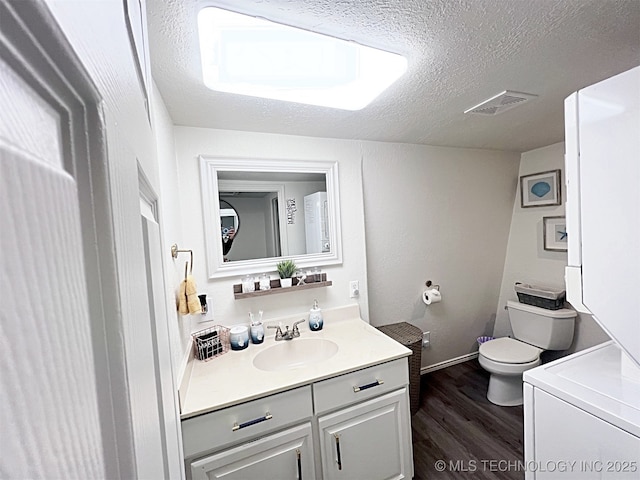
[232, 378]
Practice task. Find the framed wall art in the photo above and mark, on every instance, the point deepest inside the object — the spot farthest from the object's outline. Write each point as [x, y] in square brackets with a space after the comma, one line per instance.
[554, 234]
[540, 189]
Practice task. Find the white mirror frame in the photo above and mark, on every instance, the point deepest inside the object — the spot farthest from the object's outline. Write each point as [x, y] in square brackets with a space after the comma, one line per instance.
[209, 168]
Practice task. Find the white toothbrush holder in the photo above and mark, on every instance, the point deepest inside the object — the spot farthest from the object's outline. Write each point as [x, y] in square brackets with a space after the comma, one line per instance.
[257, 333]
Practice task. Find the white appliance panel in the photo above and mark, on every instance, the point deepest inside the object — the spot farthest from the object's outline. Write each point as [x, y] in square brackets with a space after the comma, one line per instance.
[608, 211]
[592, 380]
[316, 223]
[581, 409]
[589, 449]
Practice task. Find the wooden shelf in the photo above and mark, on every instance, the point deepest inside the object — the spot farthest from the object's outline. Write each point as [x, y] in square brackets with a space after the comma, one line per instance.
[276, 288]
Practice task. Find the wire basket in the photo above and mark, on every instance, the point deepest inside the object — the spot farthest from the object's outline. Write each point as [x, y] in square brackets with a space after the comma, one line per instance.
[211, 342]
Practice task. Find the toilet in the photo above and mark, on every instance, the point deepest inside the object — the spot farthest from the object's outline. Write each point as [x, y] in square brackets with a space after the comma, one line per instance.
[535, 330]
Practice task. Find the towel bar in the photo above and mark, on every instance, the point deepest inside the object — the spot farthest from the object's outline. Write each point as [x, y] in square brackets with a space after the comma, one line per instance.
[174, 253]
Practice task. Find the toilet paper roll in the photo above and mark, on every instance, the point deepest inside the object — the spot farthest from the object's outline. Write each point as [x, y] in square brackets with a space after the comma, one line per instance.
[431, 295]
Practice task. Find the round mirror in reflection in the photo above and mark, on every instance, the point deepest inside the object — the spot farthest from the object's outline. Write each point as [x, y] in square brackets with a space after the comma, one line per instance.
[229, 225]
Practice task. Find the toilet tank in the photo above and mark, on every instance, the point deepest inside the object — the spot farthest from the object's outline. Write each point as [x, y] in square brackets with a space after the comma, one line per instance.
[547, 329]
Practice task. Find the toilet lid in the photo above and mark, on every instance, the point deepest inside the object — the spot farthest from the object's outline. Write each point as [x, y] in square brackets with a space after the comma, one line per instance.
[509, 350]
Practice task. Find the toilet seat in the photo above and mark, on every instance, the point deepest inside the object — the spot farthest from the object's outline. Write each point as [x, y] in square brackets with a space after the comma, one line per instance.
[509, 351]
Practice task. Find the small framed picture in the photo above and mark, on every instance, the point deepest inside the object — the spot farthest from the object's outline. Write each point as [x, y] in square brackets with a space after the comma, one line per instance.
[540, 189]
[554, 234]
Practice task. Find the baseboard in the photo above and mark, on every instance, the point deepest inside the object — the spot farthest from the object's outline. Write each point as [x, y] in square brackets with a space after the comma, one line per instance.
[448, 363]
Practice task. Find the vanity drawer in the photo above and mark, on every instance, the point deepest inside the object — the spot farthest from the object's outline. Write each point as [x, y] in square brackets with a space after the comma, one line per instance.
[360, 385]
[242, 422]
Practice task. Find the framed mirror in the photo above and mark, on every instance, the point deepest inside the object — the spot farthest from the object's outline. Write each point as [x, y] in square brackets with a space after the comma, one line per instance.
[281, 209]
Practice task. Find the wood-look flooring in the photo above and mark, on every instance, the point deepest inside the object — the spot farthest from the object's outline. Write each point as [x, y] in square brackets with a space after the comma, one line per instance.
[458, 425]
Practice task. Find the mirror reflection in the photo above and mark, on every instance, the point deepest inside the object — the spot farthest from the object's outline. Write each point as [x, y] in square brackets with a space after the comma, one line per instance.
[229, 226]
[283, 214]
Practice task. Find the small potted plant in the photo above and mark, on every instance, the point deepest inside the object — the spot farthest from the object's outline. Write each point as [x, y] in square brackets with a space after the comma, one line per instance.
[286, 269]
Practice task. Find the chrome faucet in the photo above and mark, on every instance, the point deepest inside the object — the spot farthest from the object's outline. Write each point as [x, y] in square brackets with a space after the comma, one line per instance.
[287, 334]
[278, 331]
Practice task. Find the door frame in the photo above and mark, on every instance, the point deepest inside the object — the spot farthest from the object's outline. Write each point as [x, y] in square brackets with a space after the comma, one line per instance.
[170, 429]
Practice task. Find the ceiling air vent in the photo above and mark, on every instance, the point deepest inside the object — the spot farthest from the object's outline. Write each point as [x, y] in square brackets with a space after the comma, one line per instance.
[501, 103]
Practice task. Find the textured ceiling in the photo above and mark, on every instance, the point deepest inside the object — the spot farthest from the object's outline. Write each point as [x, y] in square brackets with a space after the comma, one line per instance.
[459, 52]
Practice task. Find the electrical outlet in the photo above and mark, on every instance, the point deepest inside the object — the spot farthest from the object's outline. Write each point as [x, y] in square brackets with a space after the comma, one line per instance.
[426, 339]
[354, 288]
[207, 317]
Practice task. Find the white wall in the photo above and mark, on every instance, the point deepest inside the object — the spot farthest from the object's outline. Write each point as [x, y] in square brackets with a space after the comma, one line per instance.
[171, 223]
[191, 142]
[251, 243]
[441, 214]
[526, 259]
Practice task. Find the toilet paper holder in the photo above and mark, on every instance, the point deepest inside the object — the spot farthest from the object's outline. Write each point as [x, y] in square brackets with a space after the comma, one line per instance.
[429, 283]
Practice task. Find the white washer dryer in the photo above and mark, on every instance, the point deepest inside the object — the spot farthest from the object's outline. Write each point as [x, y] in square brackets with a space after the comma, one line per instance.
[582, 417]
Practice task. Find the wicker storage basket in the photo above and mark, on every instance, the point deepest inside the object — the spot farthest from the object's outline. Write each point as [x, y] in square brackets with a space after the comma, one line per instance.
[411, 337]
[542, 297]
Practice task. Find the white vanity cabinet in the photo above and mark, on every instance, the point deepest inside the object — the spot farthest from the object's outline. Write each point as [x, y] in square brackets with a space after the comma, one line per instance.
[268, 435]
[353, 426]
[369, 439]
[283, 455]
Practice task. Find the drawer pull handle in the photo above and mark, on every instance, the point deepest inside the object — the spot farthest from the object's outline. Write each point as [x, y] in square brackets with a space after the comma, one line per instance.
[236, 427]
[339, 459]
[299, 455]
[369, 385]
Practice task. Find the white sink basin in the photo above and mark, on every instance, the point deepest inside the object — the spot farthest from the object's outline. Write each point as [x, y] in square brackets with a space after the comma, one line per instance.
[296, 353]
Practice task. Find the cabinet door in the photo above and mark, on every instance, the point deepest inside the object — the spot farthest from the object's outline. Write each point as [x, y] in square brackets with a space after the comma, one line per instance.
[368, 441]
[281, 456]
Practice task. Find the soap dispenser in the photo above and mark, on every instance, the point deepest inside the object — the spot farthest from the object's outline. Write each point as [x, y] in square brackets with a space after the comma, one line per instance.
[315, 317]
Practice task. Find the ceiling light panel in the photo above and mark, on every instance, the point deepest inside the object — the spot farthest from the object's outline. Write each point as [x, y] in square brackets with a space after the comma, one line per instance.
[252, 56]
